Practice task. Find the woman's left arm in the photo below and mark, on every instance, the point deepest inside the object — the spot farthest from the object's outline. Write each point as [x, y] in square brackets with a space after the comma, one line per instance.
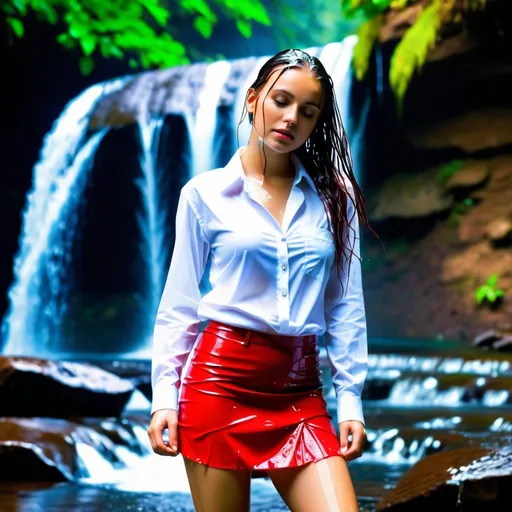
[346, 341]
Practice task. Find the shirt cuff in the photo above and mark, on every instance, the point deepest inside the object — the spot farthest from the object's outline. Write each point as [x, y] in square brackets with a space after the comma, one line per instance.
[165, 396]
[349, 407]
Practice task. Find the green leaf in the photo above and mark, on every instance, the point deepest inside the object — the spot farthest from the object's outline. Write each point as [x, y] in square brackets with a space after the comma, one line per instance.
[88, 43]
[244, 27]
[367, 35]
[480, 294]
[491, 295]
[493, 280]
[17, 26]
[411, 52]
[204, 27]
[109, 49]
[66, 40]
[86, 65]
[47, 10]
[77, 29]
[252, 10]
[21, 6]
[160, 14]
[133, 63]
[200, 7]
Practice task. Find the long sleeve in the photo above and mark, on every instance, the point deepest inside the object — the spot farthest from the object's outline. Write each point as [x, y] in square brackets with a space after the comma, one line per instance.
[177, 322]
[346, 336]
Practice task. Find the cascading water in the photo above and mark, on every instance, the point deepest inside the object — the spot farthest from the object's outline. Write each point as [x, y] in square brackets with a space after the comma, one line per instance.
[152, 218]
[204, 125]
[38, 296]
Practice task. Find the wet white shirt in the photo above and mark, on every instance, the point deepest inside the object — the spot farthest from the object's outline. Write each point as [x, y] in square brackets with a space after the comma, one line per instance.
[264, 277]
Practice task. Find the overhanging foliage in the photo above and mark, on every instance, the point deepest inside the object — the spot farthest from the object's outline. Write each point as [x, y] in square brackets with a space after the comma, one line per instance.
[133, 29]
[411, 52]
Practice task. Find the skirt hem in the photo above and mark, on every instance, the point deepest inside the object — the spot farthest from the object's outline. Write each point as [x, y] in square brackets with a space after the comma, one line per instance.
[263, 472]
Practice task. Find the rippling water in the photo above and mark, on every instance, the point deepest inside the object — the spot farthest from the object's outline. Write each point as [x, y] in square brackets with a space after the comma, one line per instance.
[418, 404]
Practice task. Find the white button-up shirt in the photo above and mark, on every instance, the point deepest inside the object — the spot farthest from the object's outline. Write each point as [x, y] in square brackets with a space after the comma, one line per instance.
[280, 280]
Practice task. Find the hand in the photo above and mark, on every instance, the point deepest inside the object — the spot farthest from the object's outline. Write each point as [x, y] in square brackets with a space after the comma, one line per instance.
[354, 449]
[164, 419]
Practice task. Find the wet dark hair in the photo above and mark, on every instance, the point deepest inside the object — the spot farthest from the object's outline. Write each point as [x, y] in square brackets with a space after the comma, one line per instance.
[325, 154]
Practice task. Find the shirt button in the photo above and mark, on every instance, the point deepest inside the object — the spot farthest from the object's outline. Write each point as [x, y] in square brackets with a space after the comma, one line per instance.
[283, 239]
[283, 266]
[284, 293]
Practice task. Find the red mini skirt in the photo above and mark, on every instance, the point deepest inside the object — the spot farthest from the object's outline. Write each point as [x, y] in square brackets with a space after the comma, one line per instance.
[254, 401]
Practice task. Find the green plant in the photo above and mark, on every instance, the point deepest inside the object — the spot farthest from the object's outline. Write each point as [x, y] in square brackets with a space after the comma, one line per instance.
[489, 291]
[138, 30]
[411, 52]
[448, 170]
[461, 208]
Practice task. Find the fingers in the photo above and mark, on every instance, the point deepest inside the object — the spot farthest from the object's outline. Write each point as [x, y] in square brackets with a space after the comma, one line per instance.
[161, 421]
[344, 432]
[353, 449]
[173, 437]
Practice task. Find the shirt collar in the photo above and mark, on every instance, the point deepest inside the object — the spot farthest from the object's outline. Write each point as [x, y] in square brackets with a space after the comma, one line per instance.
[235, 175]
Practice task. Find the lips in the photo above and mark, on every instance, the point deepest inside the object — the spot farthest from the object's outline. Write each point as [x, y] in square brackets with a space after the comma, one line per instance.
[286, 133]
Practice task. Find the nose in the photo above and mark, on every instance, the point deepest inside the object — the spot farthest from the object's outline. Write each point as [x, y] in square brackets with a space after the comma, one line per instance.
[291, 115]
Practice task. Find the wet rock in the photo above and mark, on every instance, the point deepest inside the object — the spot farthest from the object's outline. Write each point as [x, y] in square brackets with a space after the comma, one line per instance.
[504, 344]
[170, 91]
[486, 338]
[499, 231]
[471, 131]
[121, 432]
[470, 477]
[410, 196]
[138, 372]
[459, 265]
[45, 450]
[471, 176]
[59, 389]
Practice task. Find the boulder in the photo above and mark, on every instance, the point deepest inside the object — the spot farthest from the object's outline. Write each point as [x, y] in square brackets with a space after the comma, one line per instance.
[471, 131]
[471, 176]
[469, 478]
[51, 450]
[486, 338]
[410, 196]
[138, 372]
[499, 230]
[40, 449]
[59, 389]
[504, 344]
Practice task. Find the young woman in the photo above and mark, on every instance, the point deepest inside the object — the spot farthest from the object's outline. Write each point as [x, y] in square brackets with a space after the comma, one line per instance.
[280, 225]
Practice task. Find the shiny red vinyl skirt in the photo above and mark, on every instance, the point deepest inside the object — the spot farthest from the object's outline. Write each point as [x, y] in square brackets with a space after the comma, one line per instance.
[254, 401]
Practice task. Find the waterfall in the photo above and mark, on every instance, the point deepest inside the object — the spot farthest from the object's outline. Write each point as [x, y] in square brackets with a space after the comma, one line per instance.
[204, 126]
[37, 295]
[43, 266]
[152, 218]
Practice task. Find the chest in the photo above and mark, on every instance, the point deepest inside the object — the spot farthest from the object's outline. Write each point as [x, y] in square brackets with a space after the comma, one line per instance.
[273, 196]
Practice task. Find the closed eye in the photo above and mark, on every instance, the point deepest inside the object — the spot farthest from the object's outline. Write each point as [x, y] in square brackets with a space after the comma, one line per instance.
[283, 104]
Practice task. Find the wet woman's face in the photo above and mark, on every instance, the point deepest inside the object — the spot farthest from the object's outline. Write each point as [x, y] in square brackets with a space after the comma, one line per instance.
[286, 112]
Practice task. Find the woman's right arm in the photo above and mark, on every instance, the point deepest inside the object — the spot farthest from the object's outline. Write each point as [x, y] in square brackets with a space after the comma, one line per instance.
[177, 322]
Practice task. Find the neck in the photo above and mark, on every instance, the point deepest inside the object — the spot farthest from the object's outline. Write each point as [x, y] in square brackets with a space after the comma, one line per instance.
[259, 158]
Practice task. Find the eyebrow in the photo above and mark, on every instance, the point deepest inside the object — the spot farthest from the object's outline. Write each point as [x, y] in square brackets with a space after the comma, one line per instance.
[288, 93]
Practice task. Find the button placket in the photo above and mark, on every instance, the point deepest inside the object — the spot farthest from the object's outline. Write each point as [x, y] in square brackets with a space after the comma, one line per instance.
[283, 281]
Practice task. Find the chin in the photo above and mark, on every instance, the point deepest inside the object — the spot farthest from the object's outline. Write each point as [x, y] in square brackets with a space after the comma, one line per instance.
[281, 148]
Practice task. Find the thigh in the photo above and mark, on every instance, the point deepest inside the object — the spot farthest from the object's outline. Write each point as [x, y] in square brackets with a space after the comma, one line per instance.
[218, 490]
[323, 486]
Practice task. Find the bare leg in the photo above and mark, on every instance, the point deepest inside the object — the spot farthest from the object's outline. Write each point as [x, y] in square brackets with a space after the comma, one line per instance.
[323, 486]
[218, 490]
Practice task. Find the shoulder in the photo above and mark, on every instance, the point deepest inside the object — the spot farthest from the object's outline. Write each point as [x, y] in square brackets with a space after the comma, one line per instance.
[206, 184]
